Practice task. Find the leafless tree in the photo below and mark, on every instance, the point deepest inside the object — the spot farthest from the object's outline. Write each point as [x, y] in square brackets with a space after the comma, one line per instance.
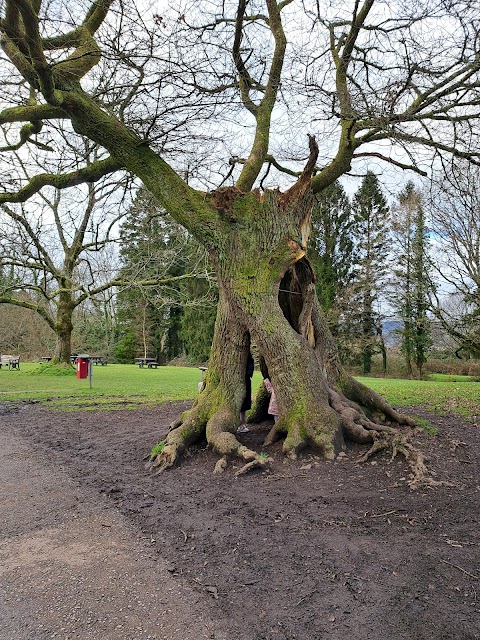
[455, 207]
[371, 80]
[24, 333]
[53, 249]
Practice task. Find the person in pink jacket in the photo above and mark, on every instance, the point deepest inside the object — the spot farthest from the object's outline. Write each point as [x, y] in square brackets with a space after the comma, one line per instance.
[272, 407]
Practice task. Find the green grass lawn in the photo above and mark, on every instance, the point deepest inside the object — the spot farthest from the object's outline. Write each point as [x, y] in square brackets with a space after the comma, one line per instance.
[114, 386]
[127, 386]
[461, 395]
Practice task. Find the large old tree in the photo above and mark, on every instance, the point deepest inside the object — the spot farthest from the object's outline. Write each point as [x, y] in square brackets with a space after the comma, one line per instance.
[207, 104]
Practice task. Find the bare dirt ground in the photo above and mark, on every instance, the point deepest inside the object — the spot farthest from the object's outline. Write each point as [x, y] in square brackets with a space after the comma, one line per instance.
[92, 547]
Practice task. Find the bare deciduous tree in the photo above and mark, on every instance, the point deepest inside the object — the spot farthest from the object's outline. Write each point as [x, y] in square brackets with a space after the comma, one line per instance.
[455, 207]
[52, 248]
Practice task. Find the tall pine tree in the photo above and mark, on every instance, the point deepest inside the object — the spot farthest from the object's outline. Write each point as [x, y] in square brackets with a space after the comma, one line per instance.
[409, 290]
[371, 220]
[151, 317]
[331, 248]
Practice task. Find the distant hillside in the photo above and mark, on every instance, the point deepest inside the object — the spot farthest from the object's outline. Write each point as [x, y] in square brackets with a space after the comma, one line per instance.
[390, 330]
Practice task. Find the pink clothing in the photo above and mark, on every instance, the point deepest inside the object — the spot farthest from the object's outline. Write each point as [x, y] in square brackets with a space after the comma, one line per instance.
[272, 407]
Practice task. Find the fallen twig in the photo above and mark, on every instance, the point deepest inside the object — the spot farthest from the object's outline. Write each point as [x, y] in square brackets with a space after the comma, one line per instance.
[460, 569]
[306, 596]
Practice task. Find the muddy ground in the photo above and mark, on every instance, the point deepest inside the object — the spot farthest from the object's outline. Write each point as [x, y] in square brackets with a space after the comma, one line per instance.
[91, 546]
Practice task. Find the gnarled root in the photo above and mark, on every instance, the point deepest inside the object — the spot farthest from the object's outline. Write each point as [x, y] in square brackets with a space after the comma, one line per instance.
[183, 432]
[356, 425]
[380, 442]
[359, 428]
[274, 434]
[218, 425]
[223, 441]
[164, 460]
[420, 475]
[221, 465]
[259, 461]
[400, 444]
[373, 402]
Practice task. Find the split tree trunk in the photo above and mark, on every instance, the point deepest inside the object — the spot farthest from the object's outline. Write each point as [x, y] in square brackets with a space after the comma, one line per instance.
[260, 251]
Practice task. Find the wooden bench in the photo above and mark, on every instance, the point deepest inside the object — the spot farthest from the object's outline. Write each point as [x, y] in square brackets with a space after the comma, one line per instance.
[12, 362]
[98, 360]
[150, 365]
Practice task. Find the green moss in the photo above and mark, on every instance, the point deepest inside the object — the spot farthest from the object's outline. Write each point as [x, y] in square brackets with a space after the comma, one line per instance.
[158, 448]
[303, 433]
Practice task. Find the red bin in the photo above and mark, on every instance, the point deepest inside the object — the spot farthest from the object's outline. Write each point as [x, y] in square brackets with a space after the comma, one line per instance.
[82, 367]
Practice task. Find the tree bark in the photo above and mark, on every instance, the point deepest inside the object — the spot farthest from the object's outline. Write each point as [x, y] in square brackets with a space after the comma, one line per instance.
[319, 404]
[253, 238]
[64, 328]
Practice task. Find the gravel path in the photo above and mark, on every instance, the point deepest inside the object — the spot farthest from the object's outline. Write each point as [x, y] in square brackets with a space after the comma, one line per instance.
[72, 567]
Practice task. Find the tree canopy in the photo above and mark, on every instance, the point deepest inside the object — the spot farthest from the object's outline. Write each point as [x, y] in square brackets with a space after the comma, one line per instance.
[455, 207]
[200, 82]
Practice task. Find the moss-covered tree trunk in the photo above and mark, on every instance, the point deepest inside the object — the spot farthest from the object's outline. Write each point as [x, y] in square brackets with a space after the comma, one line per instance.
[267, 296]
[255, 239]
[64, 328]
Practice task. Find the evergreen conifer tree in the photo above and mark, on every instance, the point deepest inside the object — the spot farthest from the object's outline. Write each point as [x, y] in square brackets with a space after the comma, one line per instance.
[371, 220]
[331, 248]
[151, 317]
[409, 291]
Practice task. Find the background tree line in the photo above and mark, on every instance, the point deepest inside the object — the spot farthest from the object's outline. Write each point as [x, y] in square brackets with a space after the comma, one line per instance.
[379, 269]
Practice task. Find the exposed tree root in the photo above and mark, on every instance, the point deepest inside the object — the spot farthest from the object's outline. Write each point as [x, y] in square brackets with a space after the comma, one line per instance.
[183, 432]
[274, 434]
[358, 428]
[259, 462]
[218, 425]
[317, 414]
[373, 402]
[164, 460]
[399, 443]
[379, 444]
[221, 465]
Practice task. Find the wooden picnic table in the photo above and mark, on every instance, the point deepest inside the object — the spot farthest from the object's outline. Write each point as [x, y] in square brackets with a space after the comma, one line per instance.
[12, 362]
[147, 362]
[93, 359]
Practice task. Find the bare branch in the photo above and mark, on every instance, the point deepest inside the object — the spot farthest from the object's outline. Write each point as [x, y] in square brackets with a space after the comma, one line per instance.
[25, 304]
[255, 160]
[92, 173]
[396, 163]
